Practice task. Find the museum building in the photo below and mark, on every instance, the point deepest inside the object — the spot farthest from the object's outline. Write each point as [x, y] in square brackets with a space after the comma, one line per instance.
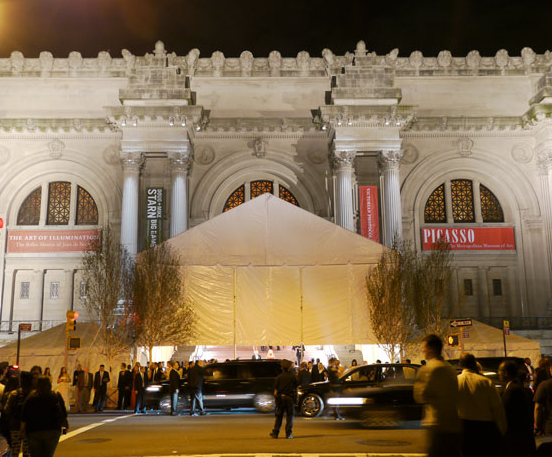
[383, 145]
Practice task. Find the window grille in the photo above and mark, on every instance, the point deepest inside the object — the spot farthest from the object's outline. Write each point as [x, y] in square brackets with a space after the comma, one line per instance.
[287, 196]
[491, 211]
[25, 289]
[54, 290]
[29, 212]
[59, 203]
[87, 211]
[468, 287]
[236, 199]
[462, 200]
[261, 187]
[497, 287]
[435, 208]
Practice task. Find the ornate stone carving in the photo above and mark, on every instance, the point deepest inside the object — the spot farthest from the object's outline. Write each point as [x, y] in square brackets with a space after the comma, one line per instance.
[246, 63]
[217, 61]
[132, 161]
[444, 59]
[473, 60]
[275, 63]
[316, 156]
[259, 147]
[56, 148]
[528, 56]
[522, 153]
[46, 60]
[191, 61]
[464, 145]
[416, 60]
[159, 50]
[74, 60]
[111, 154]
[391, 57]
[502, 59]
[130, 60]
[4, 155]
[544, 161]
[104, 61]
[180, 161]
[204, 155]
[390, 159]
[360, 50]
[303, 62]
[17, 62]
[343, 158]
[410, 154]
[30, 125]
[329, 58]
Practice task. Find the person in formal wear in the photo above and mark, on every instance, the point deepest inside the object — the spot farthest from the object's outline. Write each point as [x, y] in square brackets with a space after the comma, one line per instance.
[87, 386]
[140, 384]
[174, 386]
[315, 376]
[332, 373]
[436, 387]
[543, 406]
[16, 400]
[63, 382]
[256, 355]
[304, 376]
[518, 405]
[78, 388]
[101, 380]
[195, 384]
[285, 391]
[480, 410]
[123, 388]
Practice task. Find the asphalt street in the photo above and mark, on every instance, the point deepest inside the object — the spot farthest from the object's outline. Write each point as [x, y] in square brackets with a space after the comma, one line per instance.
[112, 435]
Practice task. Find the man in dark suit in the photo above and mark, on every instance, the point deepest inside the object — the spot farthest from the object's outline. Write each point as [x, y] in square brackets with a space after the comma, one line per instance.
[124, 386]
[78, 374]
[174, 386]
[101, 380]
[140, 384]
[195, 383]
[304, 375]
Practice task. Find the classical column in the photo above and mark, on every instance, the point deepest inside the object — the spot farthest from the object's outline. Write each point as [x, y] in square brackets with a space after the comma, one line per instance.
[343, 165]
[180, 164]
[392, 213]
[9, 292]
[132, 162]
[544, 163]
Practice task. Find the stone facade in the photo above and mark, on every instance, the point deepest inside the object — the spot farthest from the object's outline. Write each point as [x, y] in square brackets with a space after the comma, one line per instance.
[314, 128]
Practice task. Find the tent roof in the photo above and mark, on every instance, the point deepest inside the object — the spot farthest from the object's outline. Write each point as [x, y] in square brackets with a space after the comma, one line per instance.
[270, 231]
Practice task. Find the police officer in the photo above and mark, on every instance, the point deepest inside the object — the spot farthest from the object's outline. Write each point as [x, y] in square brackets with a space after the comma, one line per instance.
[285, 390]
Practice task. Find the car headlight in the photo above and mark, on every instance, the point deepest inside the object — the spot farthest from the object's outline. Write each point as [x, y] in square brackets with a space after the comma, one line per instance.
[153, 388]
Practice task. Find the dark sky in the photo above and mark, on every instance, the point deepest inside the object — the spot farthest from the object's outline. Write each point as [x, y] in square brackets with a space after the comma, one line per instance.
[260, 26]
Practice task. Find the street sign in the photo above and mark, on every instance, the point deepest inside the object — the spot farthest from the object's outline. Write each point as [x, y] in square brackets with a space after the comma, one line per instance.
[74, 342]
[505, 324]
[25, 327]
[461, 323]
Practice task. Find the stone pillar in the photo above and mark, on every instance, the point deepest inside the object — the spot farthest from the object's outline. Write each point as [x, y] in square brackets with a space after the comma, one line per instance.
[392, 213]
[132, 162]
[69, 286]
[544, 163]
[343, 165]
[180, 164]
[9, 292]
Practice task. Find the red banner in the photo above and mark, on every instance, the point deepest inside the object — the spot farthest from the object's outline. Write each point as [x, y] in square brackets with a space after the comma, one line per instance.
[369, 219]
[470, 239]
[36, 241]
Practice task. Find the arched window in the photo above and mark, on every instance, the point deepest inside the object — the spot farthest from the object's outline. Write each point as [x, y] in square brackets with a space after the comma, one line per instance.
[461, 195]
[58, 210]
[29, 212]
[254, 189]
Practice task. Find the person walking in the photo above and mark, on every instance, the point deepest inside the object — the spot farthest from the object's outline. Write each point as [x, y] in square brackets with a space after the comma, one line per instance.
[436, 387]
[13, 412]
[42, 418]
[518, 404]
[174, 386]
[481, 411]
[101, 380]
[285, 391]
[195, 383]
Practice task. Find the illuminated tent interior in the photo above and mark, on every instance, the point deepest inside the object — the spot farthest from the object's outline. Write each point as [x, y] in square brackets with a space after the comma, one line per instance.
[268, 272]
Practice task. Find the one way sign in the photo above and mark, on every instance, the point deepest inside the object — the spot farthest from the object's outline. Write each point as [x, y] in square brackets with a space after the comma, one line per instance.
[461, 323]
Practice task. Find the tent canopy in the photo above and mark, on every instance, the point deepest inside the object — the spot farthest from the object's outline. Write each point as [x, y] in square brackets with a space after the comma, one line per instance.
[268, 272]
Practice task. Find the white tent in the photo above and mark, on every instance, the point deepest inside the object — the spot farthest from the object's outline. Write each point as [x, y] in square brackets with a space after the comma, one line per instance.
[268, 272]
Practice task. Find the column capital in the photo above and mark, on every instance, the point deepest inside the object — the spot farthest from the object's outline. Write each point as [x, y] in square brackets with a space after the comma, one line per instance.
[180, 161]
[390, 159]
[544, 161]
[343, 158]
[132, 161]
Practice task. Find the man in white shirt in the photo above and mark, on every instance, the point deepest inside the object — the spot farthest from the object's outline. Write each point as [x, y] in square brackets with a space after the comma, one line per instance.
[436, 387]
[481, 411]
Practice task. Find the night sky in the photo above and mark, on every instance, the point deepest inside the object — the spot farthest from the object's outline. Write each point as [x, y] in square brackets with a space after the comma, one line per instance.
[260, 26]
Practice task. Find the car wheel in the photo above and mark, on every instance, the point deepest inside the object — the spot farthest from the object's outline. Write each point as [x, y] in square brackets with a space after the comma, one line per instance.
[381, 419]
[312, 405]
[165, 404]
[264, 402]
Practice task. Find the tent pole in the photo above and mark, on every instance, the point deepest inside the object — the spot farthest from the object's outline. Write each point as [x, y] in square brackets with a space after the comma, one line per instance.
[301, 303]
[235, 347]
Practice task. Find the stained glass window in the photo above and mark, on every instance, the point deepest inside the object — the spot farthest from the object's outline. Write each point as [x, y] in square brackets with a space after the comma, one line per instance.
[29, 212]
[59, 203]
[286, 195]
[435, 208]
[491, 211]
[87, 211]
[462, 200]
[236, 198]
[260, 188]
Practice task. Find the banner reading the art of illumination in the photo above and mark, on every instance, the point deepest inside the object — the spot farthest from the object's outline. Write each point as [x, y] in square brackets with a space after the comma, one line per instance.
[37, 241]
[154, 214]
[470, 239]
[369, 219]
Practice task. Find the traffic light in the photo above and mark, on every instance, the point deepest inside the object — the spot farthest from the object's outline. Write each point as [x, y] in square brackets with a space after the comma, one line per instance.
[453, 340]
[72, 317]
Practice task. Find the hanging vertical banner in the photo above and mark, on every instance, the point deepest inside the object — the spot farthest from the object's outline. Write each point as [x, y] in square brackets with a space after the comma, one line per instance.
[154, 214]
[369, 218]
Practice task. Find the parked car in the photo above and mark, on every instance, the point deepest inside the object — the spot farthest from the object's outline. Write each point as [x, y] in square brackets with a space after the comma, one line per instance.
[372, 393]
[232, 384]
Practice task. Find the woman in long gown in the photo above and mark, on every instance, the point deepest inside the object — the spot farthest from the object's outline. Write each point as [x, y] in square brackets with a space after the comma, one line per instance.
[63, 385]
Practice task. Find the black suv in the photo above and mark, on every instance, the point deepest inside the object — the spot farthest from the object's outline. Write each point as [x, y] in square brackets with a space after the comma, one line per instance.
[232, 384]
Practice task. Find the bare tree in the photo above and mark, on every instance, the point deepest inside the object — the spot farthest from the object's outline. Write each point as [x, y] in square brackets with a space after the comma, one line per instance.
[108, 275]
[391, 314]
[163, 316]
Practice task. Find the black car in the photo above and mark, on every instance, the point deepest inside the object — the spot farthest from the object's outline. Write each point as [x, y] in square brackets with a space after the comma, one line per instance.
[368, 392]
[232, 384]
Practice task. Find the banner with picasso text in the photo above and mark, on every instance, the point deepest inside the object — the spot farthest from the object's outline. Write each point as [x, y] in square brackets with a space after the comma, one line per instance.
[41, 241]
[369, 218]
[470, 239]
